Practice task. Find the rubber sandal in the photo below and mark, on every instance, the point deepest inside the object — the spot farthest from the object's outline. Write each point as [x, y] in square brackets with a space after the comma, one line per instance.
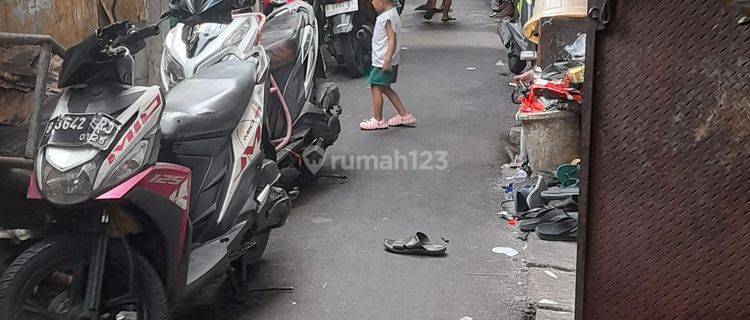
[421, 7]
[548, 216]
[418, 244]
[372, 124]
[449, 18]
[565, 229]
[430, 12]
[534, 198]
[520, 199]
[565, 172]
[560, 193]
[567, 203]
[532, 214]
[406, 121]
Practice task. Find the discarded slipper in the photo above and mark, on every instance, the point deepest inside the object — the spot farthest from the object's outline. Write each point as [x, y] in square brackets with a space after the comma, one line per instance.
[534, 198]
[529, 225]
[564, 229]
[520, 199]
[560, 193]
[567, 203]
[531, 214]
[418, 244]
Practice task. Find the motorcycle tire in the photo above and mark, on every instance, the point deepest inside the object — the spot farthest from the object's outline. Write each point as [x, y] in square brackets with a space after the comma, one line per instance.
[45, 262]
[515, 64]
[354, 57]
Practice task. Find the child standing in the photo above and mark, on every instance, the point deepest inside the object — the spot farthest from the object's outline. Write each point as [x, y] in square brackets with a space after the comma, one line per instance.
[385, 57]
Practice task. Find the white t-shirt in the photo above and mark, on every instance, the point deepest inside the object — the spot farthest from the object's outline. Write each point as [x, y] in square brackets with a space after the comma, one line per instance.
[380, 38]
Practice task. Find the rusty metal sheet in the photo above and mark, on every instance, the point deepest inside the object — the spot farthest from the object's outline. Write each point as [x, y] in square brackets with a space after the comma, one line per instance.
[68, 21]
[665, 228]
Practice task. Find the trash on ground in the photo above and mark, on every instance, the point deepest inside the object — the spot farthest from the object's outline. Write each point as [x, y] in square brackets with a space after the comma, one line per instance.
[547, 301]
[471, 68]
[505, 215]
[524, 236]
[445, 240]
[506, 251]
[466, 318]
[551, 274]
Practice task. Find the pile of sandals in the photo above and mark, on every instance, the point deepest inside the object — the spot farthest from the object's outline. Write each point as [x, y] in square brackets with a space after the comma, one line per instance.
[549, 205]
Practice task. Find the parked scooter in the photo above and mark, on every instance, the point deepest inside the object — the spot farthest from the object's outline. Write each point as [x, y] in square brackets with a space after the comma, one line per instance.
[154, 196]
[511, 36]
[301, 107]
[349, 29]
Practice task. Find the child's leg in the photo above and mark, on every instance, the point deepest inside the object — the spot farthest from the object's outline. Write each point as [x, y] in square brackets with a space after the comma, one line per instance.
[395, 100]
[377, 101]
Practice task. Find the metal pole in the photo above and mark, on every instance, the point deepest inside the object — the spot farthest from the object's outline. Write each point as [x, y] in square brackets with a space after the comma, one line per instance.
[40, 95]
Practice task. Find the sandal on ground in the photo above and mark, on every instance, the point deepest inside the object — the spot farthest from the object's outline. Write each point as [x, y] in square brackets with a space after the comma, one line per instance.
[422, 7]
[448, 18]
[372, 124]
[529, 225]
[564, 229]
[567, 203]
[418, 244]
[558, 193]
[406, 121]
[532, 213]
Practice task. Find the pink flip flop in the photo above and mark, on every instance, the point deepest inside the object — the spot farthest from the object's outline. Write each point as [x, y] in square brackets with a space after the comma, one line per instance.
[372, 124]
[406, 121]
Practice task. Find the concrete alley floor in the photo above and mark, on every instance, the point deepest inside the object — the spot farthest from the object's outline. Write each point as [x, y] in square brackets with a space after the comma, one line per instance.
[331, 249]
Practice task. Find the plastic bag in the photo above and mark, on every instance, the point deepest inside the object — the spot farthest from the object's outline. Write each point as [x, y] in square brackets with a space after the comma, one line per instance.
[577, 49]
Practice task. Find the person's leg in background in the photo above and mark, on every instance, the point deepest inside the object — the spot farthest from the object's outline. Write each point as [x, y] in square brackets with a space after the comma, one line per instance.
[446, 9]
[505, 8]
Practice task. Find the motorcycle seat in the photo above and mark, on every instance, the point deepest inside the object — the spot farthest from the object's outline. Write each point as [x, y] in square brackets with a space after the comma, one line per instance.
[210, 104]
[281, 36]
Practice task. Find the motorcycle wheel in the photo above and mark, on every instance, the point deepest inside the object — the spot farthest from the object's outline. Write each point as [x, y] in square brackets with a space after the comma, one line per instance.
[48, 281]
[515, 64]
[354, 57]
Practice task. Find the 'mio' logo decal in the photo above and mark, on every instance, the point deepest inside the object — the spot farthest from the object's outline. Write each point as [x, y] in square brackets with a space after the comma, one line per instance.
[135, 128]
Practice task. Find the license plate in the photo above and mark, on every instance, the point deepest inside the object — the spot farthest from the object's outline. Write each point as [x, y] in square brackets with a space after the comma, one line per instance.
[70, 130]
[341, 7]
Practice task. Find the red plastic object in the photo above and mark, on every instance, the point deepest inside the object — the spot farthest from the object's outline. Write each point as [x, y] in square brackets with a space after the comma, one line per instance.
[530, 103]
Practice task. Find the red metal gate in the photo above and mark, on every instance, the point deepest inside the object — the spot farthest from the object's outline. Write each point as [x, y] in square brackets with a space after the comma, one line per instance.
[665, 232]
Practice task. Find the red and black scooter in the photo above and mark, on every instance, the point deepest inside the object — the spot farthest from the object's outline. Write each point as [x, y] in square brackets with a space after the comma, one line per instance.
[149, 199]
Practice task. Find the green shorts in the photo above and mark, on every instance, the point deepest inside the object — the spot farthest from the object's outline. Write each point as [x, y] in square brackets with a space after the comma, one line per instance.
[382, 78]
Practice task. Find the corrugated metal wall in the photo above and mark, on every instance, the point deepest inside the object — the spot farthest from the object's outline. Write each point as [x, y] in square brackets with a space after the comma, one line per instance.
[666, 136]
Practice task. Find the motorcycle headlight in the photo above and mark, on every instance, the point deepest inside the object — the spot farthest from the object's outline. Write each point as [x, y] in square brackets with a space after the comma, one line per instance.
[171, 71]
[129, 166]
[69, 187]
